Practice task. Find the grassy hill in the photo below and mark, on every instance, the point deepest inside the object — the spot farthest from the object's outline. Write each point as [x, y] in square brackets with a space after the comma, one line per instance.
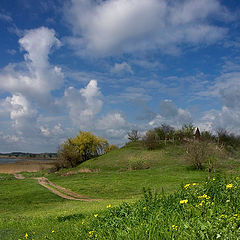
[123, 173]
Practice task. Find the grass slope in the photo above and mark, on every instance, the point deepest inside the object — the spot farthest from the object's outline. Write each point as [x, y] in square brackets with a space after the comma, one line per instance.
[26, 207]
[111, 178]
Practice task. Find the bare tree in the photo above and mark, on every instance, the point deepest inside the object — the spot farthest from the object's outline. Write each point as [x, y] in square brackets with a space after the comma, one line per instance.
[133, 136]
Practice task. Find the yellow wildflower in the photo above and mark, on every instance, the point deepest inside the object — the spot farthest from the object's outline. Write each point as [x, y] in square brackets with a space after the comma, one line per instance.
[214, 179]
[187, 186]
[184, 201]
[144, 208]
[229, 186]
[174, 227]
[91, 233]
[194, 184]
[83, 221]
[53, 231]
[204, 196]
[26, 235]
[109, 206]
[95, 215]
[201, 203]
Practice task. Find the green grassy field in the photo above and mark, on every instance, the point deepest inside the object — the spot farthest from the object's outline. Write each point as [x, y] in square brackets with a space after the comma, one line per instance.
[27, 207]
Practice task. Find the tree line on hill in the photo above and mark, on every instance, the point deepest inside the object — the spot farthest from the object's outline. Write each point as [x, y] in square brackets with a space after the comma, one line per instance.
[200, 147]
[203, 150]
[157, 137]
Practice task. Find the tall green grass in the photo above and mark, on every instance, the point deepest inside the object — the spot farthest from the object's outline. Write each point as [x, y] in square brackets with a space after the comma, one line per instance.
[207, 210]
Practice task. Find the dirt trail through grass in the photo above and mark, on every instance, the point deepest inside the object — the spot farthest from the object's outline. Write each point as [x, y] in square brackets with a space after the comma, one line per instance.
[58, 190]
[61, 191]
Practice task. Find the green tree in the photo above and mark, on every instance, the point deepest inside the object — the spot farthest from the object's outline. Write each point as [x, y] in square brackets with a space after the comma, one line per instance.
[79, 149]
[68, 155]
[89, 145]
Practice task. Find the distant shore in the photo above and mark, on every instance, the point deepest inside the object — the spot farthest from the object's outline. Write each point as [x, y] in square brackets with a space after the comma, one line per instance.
[26, 165]
[23, 157]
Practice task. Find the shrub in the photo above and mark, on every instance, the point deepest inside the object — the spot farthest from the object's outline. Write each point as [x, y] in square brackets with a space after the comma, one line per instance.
[110, 148]
[138, 163]
[196, 154]
[200, 153]
[151, 140]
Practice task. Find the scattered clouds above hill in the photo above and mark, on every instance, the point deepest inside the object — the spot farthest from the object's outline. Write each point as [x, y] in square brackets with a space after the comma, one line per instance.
[125, 26]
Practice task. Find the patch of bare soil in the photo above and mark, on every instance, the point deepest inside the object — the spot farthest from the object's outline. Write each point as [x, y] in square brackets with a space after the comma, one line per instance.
[62, 192]
[82, 170]
[18, 176]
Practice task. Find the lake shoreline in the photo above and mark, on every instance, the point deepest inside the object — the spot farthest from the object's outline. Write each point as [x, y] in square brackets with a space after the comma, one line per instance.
[26, 165]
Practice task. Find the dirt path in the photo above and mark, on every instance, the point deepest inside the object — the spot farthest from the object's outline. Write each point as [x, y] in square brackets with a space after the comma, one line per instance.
[58, 190]
[18, 176]
[61, 191]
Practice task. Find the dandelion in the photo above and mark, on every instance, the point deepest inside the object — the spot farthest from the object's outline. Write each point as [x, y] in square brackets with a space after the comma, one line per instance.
[174, 227]
[53, 231]
[205, 196]
[187, 186]
[184, 201]
[214, 179]
[95, 215]
[194, 184]
[109, 206]
[26, 235]
[91, 233]
[229, 186]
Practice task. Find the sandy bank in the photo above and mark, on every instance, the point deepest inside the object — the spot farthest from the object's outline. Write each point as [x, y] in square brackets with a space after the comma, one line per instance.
[25, 166]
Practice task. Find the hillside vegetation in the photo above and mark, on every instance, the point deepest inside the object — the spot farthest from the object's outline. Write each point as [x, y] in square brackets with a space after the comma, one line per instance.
[118, 179]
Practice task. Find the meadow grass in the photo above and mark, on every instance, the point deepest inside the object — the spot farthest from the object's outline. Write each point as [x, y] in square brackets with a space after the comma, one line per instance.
[208, 210]
[27, 207]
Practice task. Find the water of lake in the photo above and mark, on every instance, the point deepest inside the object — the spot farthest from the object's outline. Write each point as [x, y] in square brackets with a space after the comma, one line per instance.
[9, 160]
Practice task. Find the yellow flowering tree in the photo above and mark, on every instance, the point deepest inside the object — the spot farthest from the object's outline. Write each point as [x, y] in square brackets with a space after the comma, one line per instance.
[81, 148]
[89, 145]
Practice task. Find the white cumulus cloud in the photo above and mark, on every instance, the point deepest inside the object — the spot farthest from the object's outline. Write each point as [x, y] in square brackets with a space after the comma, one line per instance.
[83, 104]
[125, 26]
[35, 78]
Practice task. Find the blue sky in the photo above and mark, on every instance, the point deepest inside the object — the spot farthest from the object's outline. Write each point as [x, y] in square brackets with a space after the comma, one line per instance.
[109, 66]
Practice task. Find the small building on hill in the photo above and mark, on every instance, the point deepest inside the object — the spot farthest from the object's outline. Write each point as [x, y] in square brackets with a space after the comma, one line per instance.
[197, 134]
